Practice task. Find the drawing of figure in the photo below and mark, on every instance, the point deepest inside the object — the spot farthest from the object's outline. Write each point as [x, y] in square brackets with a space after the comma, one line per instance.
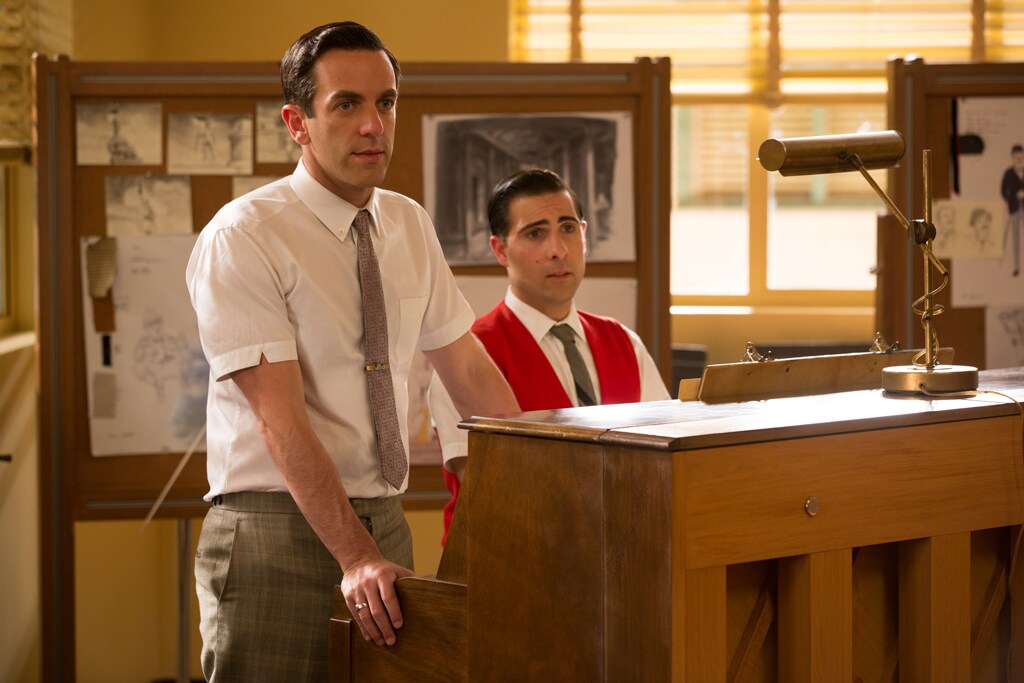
[945, 230]
[121, 151]
[1013, 323]
[1012, 189]
[235, 138]
[158, 354]
[981, 228]
[146, 211]
[204, 137]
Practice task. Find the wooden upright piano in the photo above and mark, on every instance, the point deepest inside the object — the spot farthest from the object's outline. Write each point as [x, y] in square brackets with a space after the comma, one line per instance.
[833, 537]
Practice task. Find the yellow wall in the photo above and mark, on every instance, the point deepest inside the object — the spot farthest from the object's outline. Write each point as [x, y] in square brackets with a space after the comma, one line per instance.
[255, 30]
[19, 521]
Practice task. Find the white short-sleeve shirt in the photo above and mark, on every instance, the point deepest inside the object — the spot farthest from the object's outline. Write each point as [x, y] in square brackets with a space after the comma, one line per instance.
[274, 274]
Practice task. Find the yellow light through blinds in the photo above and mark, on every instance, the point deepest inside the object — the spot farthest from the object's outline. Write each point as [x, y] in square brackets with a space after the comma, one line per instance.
[15, 72]
[1004, 31]
[755, 47]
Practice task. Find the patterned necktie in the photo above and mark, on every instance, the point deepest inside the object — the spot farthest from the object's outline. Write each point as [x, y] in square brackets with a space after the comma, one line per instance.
[391, 453]
[584, 387]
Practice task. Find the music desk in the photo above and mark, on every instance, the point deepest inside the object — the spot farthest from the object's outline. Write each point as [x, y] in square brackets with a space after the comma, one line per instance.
[834, 537]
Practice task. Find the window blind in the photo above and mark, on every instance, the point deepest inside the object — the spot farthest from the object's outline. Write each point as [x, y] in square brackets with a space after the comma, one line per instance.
[15, 73]
[766, 49]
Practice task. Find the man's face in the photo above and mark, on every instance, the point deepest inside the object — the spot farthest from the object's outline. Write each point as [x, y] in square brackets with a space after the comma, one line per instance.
[1018, 159]
[346, 144]
[544, 252]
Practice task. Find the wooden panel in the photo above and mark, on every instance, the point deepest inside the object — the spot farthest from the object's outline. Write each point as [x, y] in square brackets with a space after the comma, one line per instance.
[935, 608]
[875, 613]
[747, 503]
[728, 382]
[537, 524]
[431, 646]
[340, 634]
[816, 617]
[1016, 569]
[704, 610]
[637, 525]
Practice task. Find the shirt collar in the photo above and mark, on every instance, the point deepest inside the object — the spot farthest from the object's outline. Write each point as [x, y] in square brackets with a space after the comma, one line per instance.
[536, 322]
[335, 213]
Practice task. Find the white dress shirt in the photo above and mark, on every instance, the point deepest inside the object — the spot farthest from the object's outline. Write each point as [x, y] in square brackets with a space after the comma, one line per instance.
[274, 274]
[454, 441]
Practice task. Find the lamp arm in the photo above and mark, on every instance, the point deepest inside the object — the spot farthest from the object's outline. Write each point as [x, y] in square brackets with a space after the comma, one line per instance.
[855, 161]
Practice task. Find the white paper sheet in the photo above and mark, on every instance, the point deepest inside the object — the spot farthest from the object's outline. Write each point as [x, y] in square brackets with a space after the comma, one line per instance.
[147, 382]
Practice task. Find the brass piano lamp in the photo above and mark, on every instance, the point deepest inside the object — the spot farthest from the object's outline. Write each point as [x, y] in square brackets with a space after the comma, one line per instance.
[861, 152]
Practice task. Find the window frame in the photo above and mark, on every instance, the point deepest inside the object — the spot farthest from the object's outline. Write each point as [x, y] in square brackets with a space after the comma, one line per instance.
[768, 82]
[7, 293]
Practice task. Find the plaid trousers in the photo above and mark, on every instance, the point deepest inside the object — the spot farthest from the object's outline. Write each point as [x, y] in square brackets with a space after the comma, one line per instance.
[265, 580]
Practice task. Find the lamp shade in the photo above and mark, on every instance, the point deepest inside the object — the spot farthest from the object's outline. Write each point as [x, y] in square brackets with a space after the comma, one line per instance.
[831, 153]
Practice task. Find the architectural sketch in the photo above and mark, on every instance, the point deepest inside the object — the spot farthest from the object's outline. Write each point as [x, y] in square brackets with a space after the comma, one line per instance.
[465, 156]
[119, 134]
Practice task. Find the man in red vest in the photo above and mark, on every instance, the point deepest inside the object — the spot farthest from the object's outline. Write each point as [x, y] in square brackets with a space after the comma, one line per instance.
[553, 355]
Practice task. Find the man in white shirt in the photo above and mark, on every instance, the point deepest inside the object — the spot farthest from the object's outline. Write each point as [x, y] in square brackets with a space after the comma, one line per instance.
[538, 234]
[301, 501]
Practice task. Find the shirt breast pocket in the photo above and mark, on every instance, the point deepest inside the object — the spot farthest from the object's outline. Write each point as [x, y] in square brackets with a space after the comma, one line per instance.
[411, 317]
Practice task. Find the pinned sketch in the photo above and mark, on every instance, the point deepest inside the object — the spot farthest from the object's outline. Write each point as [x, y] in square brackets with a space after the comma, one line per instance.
[241, 184]
[148, 380]
[1004, 337]
[968, 229]
[465, 156]
[274, 144]
[208, 143]
[992, 176]
[119, 134]
[148, 205]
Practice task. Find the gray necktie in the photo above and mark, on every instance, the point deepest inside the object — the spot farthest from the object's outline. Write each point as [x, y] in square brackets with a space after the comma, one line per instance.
[584, 386]
[391, 453]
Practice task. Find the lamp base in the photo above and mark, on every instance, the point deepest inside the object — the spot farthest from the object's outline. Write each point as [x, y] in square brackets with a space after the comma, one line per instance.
[938, 380]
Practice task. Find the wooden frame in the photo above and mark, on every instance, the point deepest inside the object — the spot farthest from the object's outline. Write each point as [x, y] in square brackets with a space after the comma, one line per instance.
[76, 486]
[919, 102]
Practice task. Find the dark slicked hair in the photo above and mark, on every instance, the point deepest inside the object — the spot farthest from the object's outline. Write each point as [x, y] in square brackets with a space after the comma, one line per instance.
[1016, 148]
[532, 182]
[297, 81]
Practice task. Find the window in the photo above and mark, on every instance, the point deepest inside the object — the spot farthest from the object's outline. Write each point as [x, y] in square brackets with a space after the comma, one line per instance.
[747, 70]
[15, 134]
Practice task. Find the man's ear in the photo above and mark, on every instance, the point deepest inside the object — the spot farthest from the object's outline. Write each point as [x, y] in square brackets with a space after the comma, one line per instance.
[295, 119]
[498, 246]
[583, 234]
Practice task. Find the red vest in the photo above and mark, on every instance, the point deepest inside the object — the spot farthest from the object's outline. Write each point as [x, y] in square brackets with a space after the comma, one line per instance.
[532, 378]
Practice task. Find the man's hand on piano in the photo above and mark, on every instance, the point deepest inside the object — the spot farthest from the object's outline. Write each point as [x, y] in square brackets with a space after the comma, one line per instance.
[369, 590]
